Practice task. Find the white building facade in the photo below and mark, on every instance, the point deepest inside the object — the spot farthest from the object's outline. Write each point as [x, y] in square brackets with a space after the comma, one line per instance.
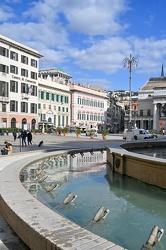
[88, 106]
[18, 85]
[53, 98]
[152, 104]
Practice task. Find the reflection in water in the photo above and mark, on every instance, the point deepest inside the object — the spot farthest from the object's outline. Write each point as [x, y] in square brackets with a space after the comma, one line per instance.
[134, 206]
[159, 152]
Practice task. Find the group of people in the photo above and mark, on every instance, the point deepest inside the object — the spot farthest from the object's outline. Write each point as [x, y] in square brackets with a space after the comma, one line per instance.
[25, 136]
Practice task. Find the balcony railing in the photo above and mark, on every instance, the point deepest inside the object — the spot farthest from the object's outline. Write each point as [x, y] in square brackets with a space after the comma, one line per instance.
[4, 99]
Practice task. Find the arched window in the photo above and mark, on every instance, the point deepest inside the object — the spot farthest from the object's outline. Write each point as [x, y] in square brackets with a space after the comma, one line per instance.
[33, 124]
[13, 122]
[49, 120]
[24, 121]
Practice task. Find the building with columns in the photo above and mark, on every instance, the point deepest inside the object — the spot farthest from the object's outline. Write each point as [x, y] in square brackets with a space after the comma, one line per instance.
[152, 104]
[88, 106]
[18, 85]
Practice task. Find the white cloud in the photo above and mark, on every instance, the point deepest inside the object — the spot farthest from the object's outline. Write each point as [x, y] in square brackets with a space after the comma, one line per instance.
[6, 13]
[94, 17]
[55, 29]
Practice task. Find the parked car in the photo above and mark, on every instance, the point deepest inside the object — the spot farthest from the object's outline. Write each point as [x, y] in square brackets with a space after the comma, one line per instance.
[138, 134]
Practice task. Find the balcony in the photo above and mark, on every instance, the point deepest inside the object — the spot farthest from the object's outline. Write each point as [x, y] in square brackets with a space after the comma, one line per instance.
[24, 96]
[4, 99]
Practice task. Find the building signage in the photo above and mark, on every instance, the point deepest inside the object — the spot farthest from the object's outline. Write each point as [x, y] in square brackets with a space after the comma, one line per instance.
[23, 79]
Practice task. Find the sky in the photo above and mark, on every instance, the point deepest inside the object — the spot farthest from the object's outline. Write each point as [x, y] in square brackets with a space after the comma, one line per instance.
[89, 39]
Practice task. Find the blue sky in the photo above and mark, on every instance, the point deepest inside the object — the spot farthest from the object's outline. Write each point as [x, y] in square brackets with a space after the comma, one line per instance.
[89, 39]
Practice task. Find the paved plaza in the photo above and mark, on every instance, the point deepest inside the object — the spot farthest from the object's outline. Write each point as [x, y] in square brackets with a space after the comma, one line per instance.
[8, 239]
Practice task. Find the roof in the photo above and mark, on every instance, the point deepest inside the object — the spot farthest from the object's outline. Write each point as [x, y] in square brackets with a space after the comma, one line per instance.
[154, 82]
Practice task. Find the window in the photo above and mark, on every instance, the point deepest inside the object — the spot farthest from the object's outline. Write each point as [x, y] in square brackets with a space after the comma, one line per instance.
[141, 112]
[14, 86]
[42, 95]
[63, 121]
[66, 99]
[39, 105]
[44, 106]
[13, 55]
[63, 109]
[4, 68]
[3, 88]
[43, 117]
[4, 52]
[14, 106]
[47, 96]
[24, 107]
[24, 59]
[4, 107]
[24, 88]
[33, 63]
[33, 90]
[33, 75]
[24, 72]
[67, 120]
[54, 107]
[59, 108]
[59, 120]
[52, 97]
[148, 112]
[13, 69]
[79, 100]
[67, 109]
[34, 108]
[57, 98]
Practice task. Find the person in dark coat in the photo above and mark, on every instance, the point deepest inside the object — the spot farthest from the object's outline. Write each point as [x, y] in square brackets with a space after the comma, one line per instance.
[23, 136]
[29, 138]
[14, 135]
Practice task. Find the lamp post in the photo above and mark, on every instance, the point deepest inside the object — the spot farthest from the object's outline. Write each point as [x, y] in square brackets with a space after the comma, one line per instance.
[130, 63]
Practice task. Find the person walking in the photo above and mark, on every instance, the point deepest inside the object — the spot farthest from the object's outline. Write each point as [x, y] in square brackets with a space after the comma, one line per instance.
[15, 135]
[29, 138]
[23, 136]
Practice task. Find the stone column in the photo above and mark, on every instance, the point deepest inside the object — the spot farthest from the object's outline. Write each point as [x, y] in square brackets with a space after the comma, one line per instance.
[155, 117]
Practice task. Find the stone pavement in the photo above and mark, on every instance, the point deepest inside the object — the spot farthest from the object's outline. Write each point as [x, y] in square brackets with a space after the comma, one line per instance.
[8, 239]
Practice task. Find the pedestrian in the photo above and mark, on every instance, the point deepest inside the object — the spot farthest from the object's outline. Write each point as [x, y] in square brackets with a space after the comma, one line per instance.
[7, 133]
[15, 135]
[7, 150]
[23, 136]
[29, 138]
[163, 131]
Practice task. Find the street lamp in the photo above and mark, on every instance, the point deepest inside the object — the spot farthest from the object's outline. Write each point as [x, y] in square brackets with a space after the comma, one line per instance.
[130, 63]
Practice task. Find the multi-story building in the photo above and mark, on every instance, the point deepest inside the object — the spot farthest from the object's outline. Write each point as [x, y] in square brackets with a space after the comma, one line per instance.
[88, 106]
[152, 104]
[18, 85]
[53, 98]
